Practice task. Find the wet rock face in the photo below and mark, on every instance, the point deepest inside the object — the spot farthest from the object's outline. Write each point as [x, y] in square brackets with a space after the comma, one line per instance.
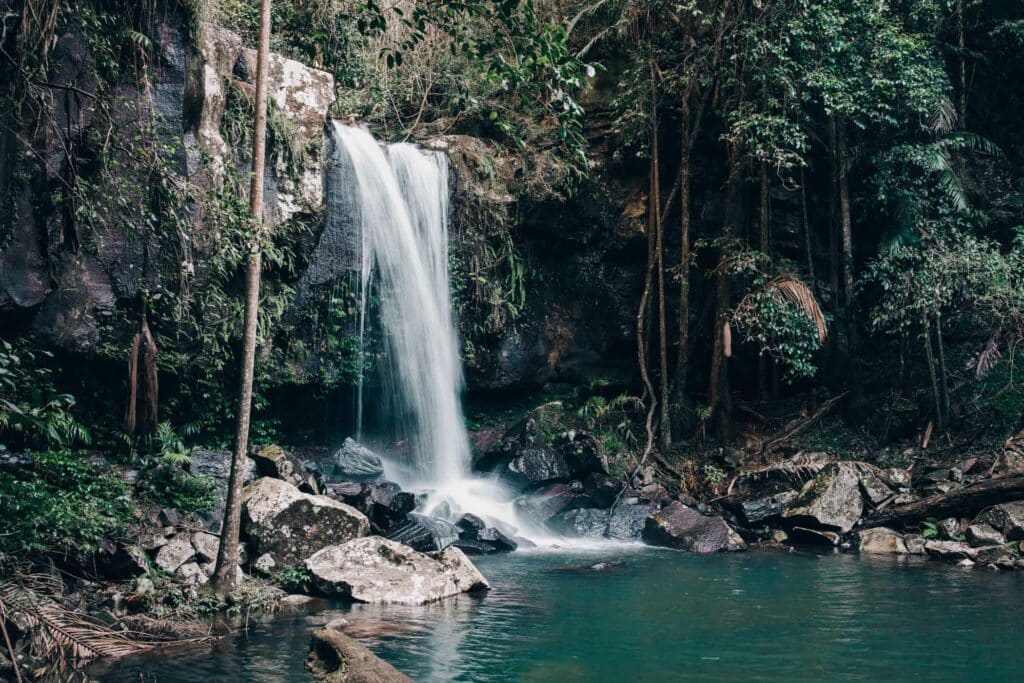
[627, 521]
[683, 528]
[377, 570]
[583, 523]
[279, 519]
[831, 501]
[425, 533]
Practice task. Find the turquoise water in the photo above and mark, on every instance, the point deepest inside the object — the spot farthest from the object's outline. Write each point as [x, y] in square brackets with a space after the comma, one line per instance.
[663, 616]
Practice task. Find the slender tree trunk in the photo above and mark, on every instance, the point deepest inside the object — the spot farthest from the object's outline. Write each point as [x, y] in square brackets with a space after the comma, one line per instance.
[225, 575]
[807, 233]
[833, 218]
[930, 357]
[763, 242]
[844, 215]
[684, 276]
[961, 120]
[719, 403]
[943, 384]
[665, 432]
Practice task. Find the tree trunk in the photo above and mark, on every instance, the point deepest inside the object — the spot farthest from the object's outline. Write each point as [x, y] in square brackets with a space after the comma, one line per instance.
[833, 218]
[961, 119]
[943, 384]
[665, 431]
[719, 403]
[930, 357]
[965, 502]
[807, 234]
[227, 555]
[845, 218]
[763, 242]
[684, 276]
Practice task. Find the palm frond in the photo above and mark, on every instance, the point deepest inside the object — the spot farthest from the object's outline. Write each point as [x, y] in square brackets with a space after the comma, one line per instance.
[800, 295]
[988, 358]
[943, 119]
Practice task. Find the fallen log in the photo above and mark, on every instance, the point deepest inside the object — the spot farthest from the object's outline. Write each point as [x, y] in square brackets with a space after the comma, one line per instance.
[962, 502]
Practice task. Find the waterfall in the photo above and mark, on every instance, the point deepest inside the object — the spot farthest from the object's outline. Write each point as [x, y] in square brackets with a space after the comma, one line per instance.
[401, 195]
[399, 198]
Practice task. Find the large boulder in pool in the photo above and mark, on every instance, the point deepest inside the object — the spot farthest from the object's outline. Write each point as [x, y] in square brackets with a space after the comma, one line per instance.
[337, 658]
[355, 462]
[831, 501]
[377, 570]
[425, 533]
[290, 525]
[683, 528]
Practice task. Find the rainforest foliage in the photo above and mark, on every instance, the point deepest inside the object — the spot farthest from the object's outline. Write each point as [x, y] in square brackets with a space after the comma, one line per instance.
[832, 197]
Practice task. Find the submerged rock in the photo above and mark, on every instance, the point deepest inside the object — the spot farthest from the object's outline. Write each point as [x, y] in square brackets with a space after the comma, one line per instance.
[355, 462]
[378, 570]
[291, 525]
[336, 658]
[683, 528]
[831, 501]
[425, 533]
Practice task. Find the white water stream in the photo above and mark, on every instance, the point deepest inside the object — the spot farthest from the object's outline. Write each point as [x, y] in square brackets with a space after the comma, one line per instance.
[401, 206]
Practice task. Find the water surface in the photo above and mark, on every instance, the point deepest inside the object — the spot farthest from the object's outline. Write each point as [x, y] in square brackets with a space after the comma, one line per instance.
[663, 616]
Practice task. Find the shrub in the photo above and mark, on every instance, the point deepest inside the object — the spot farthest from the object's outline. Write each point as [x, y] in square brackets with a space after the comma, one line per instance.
[60, 503]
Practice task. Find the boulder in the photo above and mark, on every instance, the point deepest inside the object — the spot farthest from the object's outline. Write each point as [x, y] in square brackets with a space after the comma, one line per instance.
[998, 555]
[470, 526]
[378, 570]
[290, 525]
[177, 551]
[831, 500]
[387, 506]
[274, 461]
[217, 466]
[626, 522]
[950, 550]
[915, 544]
[982, 534]
[550, 500]
[425, 533]
[1008, 518]
[753, 512]
[601, 489]
[265, 564]
[582, 453]
[583, 523]
[192, 574]
[875, 490]
[881, 541]
[337, 658]
[206, 545]
[683, 528]
[355, 462]
[532, 467]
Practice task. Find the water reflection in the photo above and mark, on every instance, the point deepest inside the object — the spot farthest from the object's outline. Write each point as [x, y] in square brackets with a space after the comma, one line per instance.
[662, 616]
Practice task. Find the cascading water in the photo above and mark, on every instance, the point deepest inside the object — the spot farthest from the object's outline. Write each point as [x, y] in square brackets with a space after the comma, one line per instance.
[400, 198]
